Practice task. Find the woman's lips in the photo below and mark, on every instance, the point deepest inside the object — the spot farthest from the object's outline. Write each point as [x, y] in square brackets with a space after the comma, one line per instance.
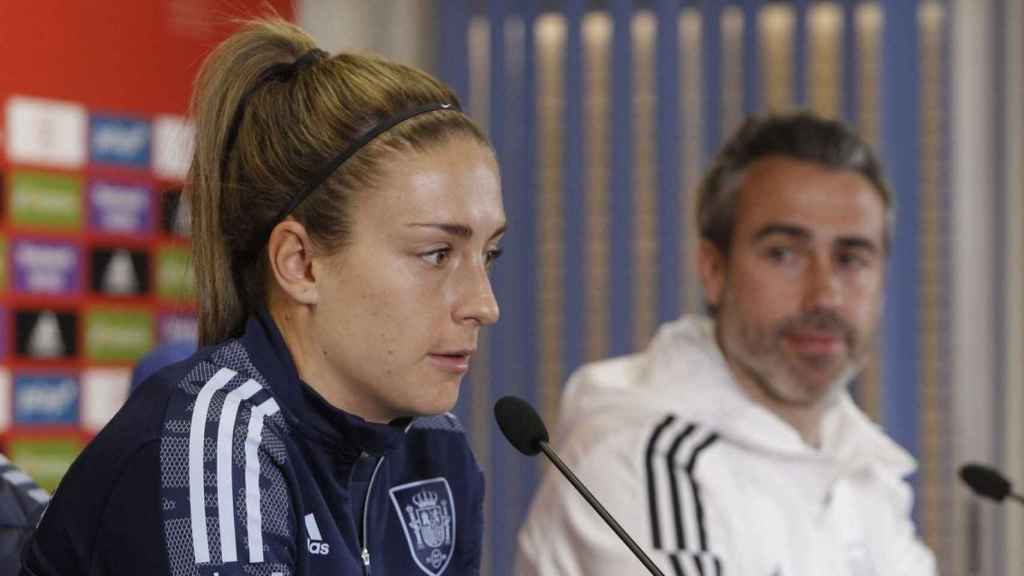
[454, 362]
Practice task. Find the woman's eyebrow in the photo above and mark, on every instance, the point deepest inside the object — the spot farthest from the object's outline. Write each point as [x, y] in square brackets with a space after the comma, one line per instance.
[459, 230]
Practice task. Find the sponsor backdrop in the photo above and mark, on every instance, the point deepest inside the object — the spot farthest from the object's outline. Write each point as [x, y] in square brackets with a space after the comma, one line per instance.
[94, 258]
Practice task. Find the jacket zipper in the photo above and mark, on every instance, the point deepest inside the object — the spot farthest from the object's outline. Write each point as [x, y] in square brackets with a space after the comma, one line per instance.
[366, 512]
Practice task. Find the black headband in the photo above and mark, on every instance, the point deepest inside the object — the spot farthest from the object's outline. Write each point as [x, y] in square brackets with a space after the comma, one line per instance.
[284, 72]
[367, 137]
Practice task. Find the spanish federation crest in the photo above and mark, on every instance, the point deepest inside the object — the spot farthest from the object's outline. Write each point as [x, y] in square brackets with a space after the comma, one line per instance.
[427, 514]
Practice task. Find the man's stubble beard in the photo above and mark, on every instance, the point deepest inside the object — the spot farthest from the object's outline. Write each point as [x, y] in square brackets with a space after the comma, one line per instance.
[761, 357]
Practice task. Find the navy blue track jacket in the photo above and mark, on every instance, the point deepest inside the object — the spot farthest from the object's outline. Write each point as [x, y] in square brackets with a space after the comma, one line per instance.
[21, 505]
[228, 465]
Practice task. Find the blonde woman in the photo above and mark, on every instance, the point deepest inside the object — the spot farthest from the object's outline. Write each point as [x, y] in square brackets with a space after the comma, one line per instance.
[345, 217]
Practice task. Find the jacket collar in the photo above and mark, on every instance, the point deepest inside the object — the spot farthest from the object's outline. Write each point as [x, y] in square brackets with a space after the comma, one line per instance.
[684, 360]
[306, 409]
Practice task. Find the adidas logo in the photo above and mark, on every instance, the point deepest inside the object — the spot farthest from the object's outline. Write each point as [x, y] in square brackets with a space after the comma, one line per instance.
[314, 541]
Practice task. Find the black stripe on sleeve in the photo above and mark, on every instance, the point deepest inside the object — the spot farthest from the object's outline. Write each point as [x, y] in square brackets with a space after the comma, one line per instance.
[674, 482]
[677, 565]
[698, 505]
[652, 495]
[698, 560]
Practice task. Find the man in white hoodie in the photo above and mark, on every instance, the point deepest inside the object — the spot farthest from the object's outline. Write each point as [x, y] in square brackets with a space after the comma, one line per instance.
[730, 445]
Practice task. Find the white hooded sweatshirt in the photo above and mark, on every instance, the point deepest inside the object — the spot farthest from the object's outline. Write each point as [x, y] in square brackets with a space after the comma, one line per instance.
[710, 483]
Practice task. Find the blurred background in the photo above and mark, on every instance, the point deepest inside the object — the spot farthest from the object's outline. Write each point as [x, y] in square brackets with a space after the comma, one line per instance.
[603, 114]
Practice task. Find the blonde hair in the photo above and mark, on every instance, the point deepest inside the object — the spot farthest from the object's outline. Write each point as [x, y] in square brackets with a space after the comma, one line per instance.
[289, 129]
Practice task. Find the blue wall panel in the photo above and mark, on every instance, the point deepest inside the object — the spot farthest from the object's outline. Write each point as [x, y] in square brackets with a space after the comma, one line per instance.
[901, 152]
[620, 204]
[513, 99]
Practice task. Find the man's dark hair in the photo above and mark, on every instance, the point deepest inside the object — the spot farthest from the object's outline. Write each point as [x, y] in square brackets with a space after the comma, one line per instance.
[800, 136]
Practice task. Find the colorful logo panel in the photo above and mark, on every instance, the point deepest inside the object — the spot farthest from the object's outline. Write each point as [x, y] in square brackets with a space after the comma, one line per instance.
[173, 139]
[45, 459]
[46, 132]
[178, 328]
[119, 141]
[174, 277]
[118, 335]
[50, 399]
[46, 267]
[119, 271]
[104, 390]
[5, 329]
[46, 201]
[120, 208]
[3, 264]
[5, 400]
[45, 334]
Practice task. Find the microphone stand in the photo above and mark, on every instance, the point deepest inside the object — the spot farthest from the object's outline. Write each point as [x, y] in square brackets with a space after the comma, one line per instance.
[626, 539]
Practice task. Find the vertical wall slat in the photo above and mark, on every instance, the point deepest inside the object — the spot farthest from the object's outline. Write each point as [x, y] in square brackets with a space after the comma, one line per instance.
[670, 229]
[777, 25]
[901, 135]
[645, 231]
[527, 188]
[620, 205]
[850, 87]
[734, 29]
[691, 159]
[551, 241]
[711, 48]
[824, 59]
[945, 551]
[574, 325]
[596, 42]
[800, 52]
[1000, 191]
[751, 61]
[868, 20]
[933, 495]
[1014, 215]
[970, 159]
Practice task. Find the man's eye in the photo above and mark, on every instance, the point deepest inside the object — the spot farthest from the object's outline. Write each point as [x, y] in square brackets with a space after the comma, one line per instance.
[852, 260]
[779, 253]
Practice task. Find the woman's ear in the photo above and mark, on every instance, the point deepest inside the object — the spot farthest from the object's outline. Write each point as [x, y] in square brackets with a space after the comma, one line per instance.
[290, 257]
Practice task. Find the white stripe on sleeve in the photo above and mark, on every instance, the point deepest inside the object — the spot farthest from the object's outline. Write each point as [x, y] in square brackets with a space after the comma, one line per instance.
[225, 435]
[196, 441]
[254, 517]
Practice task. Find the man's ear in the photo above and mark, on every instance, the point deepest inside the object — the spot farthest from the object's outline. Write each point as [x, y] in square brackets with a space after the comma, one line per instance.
[290, 257]
[711, 265]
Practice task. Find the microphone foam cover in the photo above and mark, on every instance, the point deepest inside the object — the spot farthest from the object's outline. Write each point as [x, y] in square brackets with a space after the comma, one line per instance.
[985, 481]
[520, 424]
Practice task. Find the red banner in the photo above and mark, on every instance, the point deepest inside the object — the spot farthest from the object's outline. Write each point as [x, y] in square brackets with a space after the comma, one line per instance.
[94, 264]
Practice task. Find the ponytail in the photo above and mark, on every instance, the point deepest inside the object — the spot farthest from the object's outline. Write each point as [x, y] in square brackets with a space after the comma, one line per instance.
[230, 71]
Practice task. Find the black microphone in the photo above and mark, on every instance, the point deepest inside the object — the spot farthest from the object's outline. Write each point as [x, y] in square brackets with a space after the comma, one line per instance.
[524, 429]
[988, 482]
